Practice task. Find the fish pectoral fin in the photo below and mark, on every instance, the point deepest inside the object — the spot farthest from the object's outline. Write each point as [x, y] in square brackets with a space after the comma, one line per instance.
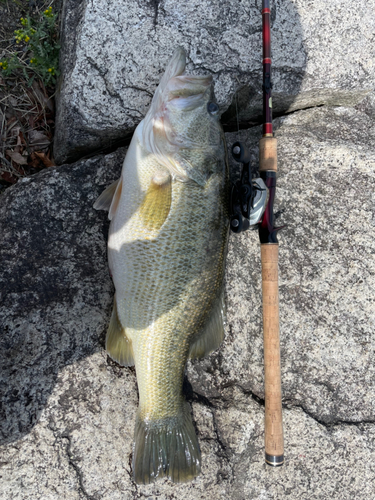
[212, 333]
[189, 172]
[157, 201]
[110, 198]
[117, 345]
[105, 199]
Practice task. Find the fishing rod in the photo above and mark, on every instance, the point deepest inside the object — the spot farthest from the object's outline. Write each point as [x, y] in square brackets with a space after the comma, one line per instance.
[274, 439]
[251, 209]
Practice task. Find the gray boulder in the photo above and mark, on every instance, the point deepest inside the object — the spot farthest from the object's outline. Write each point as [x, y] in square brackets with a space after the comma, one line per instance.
[113, 55]
[68, 411]
[55, 288]
[326, 177]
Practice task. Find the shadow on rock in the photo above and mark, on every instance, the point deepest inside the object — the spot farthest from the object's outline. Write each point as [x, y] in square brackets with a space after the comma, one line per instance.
[286, 44]
[56, 292]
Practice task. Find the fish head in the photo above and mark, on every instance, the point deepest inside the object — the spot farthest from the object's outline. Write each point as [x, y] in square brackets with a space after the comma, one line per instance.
[182, 126]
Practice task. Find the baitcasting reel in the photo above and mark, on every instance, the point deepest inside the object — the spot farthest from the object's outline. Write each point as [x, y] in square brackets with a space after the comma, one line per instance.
[249, 195]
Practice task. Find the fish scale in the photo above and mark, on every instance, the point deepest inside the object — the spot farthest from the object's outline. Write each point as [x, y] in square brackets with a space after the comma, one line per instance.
[167, 248]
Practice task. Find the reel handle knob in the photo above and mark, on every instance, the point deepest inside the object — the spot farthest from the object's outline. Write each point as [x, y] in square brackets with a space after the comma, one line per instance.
[240, 153]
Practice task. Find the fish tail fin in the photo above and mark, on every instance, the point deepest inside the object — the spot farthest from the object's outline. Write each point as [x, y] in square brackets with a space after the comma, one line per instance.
[166, 448]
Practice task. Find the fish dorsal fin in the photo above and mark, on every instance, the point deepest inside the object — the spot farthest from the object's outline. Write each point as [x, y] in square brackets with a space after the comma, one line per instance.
[157, 201]
[117, 345]
[212, 333]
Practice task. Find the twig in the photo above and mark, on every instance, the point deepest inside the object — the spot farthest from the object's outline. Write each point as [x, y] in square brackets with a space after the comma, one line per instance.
[4, 160]
[3, 138]
[22, 128]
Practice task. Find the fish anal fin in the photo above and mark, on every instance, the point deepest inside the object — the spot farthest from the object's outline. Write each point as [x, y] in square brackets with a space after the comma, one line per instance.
[157, 201]
[117, 345]
[212, 333]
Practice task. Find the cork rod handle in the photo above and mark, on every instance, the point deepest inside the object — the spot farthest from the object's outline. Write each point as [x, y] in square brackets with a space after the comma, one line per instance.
[274, 440]
[268, 154]
[273, 434]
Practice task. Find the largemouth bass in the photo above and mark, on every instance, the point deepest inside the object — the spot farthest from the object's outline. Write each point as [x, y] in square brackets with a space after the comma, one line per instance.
[166, 250]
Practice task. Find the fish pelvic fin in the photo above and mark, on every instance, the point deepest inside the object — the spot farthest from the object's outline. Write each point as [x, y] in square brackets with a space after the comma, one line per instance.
[109, 199]
[157, 201]
[166, 448]
[117, 345]
[212, 333]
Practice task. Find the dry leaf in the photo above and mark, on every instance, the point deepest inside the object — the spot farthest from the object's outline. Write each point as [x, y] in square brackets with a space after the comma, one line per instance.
[16, 157]
[19, 139]
[46, 161]
[35, 161]
[37, 138]
[11, 123]
[41, 94]
[8, 177]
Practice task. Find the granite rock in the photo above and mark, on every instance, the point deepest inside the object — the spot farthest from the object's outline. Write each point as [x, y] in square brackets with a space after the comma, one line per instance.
[68, 411]
[55, 287]
[326, 175]
[114, 53]
[81, 449]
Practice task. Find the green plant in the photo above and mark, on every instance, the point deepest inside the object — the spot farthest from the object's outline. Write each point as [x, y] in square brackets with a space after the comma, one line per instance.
[39, 38]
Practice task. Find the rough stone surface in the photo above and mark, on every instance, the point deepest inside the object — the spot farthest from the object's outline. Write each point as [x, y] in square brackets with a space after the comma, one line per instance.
[55, 289]
[114, 53]
[68, 412]
[326, 177]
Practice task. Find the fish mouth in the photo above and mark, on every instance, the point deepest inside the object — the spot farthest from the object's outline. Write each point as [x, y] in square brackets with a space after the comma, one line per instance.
[175, 87]
[185, 86]
[188, 92]
[184, 91]
[177, 91]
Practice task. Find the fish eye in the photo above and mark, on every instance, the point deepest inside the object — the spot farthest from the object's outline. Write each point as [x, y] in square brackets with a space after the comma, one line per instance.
[212, 108]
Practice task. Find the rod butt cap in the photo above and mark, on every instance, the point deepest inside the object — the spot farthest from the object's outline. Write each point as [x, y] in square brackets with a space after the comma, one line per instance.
[274, 460]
